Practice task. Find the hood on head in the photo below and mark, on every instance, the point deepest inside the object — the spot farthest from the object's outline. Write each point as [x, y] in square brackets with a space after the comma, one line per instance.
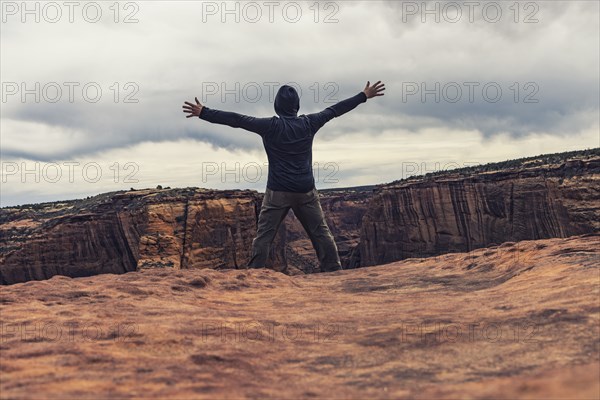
[287, 102]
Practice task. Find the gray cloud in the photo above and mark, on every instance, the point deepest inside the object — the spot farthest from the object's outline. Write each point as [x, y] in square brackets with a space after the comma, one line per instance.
[170, 53]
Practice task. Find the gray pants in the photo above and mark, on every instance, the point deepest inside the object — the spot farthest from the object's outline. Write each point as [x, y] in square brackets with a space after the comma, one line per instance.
[307, 208]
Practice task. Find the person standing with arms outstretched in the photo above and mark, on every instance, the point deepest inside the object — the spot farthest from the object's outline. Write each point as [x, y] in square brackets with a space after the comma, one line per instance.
[288, 139]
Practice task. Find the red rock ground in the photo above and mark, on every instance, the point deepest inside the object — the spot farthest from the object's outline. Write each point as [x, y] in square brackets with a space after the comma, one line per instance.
[520, 320]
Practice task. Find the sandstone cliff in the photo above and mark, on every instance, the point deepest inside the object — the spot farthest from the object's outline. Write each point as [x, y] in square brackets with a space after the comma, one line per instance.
[190, 228]
[160, 228]
[125, 231]
[455, 212]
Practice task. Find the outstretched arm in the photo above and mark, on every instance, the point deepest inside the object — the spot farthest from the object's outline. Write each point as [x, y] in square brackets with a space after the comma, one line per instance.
[317, 120]
[235, 120]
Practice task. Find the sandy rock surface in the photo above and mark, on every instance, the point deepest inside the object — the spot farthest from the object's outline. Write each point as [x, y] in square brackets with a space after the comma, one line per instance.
[520, 320]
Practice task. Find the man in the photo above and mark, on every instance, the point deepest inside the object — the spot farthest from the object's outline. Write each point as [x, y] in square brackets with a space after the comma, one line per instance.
[288, 142]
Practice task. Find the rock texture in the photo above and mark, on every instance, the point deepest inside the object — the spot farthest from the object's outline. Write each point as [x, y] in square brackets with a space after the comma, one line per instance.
[126, 231]
[162, 228]
[518, 320]
[455, 212]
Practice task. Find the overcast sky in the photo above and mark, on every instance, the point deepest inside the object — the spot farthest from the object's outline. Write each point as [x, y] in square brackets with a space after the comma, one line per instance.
[92, 92]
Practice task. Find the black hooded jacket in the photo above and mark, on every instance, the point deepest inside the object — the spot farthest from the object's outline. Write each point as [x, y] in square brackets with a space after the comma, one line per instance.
[287, 138]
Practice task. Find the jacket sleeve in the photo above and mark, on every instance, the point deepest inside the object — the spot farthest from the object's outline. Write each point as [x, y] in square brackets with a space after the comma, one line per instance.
[235, 120]
[317, 120]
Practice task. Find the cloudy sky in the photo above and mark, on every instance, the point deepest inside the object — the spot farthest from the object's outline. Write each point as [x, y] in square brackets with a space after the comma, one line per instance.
[92, 91]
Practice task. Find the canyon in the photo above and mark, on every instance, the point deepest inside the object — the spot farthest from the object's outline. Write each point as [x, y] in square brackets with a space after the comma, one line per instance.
[481, 282]
[194, 228]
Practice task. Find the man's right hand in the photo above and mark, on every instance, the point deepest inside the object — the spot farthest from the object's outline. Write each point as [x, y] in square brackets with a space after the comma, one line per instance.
[372, 91]
[193, 110]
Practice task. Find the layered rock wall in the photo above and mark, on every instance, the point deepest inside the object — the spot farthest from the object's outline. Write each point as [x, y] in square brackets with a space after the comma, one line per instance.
[453, 213]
